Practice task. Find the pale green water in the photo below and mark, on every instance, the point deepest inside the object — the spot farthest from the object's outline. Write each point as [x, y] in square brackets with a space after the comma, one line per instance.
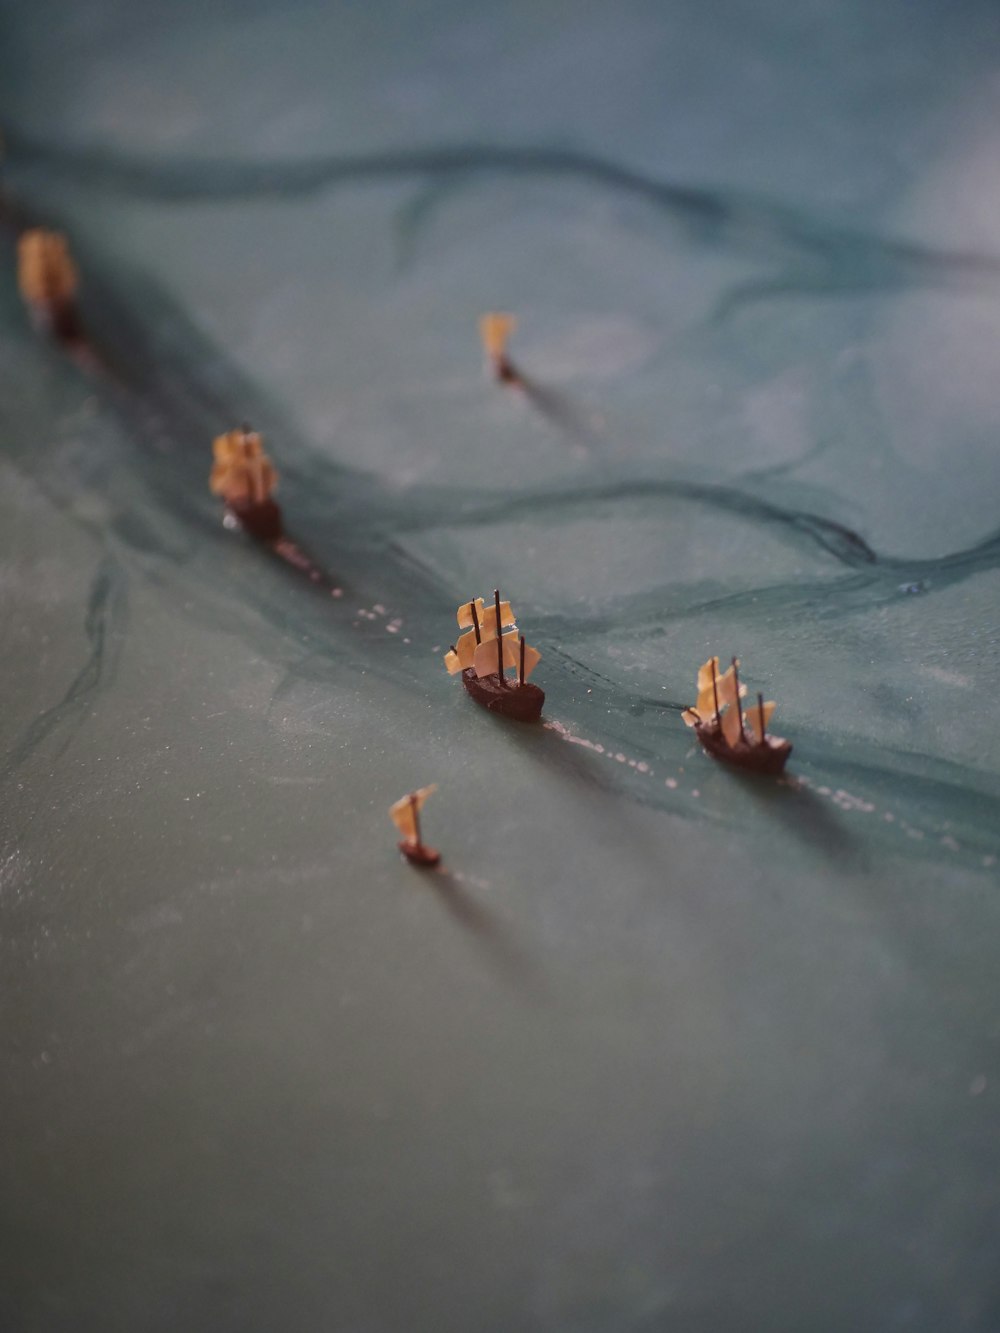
[669, 1050]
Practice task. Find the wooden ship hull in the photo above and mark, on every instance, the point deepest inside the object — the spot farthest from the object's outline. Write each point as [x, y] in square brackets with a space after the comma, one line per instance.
[419, 855]
[261, 518]
[523, 702]
[767, 756]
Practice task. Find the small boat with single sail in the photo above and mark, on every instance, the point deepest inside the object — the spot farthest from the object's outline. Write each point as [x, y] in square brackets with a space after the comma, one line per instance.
[730, 731]
[405, 814]
[48, 279]
[485, 653]
[495, 328]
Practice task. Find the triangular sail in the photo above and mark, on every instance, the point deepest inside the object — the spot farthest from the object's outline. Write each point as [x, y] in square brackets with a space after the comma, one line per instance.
[460, 657]
[752, 719]
[403, 813]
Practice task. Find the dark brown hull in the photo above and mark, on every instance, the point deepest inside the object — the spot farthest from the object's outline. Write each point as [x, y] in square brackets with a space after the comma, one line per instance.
[419, 855]
[767, 756]
[521, 702]
[59, 319]
[261, 520]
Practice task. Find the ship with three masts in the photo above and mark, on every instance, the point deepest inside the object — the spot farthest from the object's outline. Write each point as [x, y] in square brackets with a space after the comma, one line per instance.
[728, 730]
[490, 647]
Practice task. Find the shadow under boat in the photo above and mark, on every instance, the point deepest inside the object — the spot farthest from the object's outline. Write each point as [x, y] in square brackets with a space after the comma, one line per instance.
[494, 936]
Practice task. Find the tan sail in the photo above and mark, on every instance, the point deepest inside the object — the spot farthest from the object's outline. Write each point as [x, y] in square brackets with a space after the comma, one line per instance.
[485, 660]
[722, 692]
[46, 273]
[751, 719]
[705, 673]
[495, 329]
[531, 659]
[731, 726]
[460, 659]
[242, 473]
[465, 616]
[404, 812]
[488, 619]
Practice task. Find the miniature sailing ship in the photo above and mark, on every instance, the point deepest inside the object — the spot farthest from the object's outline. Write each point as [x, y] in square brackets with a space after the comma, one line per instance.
[405, 814]
[495, 329]
[47, 278]
[484, 654]
[727, 730]
[245, 477]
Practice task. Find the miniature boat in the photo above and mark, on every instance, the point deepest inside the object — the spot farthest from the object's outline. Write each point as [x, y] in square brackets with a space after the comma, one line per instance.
[484, 654]
[405, 814]
[495, 329]
[47, 279]
[245, 478]
[727, 730]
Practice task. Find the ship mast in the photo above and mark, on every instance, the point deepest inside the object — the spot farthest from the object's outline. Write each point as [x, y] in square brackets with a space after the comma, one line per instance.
[520, 671]
[715, 695]
[760, 712]
[475, 622]
[415, 810]
[496, 601]
[739, 706]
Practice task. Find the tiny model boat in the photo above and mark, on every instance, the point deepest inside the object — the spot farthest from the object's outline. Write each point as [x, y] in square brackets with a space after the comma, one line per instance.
[495, 329]
[245, 478]
[405, 814]
[47, 278]
[727, 730]
[484, 654]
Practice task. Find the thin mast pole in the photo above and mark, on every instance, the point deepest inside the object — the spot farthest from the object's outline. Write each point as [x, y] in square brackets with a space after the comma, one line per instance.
[760, 707]
[415, 810]
[520, 673]
[715, 694]
[496, 600]
[739, 706]
[475, 623]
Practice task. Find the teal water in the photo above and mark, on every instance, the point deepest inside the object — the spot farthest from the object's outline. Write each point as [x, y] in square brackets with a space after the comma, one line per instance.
[664, 1049]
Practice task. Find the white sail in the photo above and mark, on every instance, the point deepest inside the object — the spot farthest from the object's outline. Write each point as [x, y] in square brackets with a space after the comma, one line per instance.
[460, 659]
[752, 719]
[404, 812]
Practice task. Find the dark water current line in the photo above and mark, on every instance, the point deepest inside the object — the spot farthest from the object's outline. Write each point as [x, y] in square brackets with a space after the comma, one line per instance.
[815, 256]
[174, 391]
